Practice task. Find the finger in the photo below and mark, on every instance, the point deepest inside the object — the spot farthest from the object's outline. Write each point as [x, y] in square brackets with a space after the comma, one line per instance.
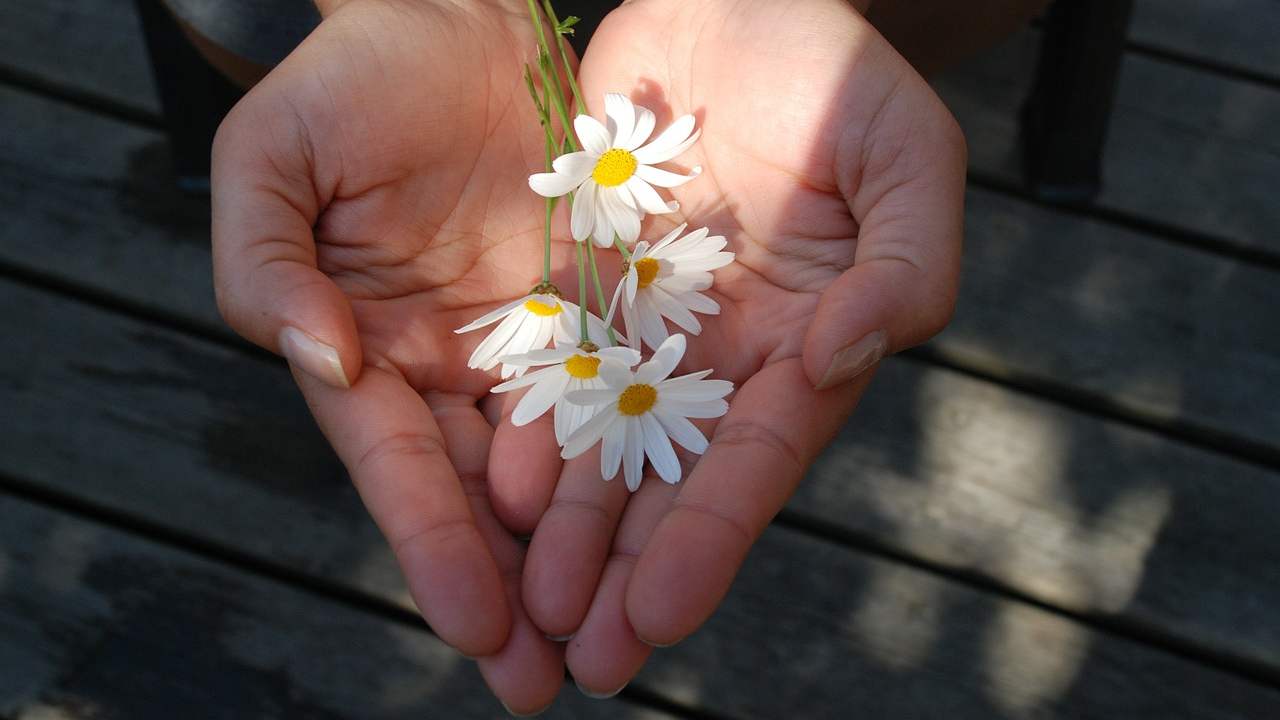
[909, 205]
[569, 547]
[523, 467]
[775, 427]
[606, 653]
[527, 673]
[390, 443]
[265, 203]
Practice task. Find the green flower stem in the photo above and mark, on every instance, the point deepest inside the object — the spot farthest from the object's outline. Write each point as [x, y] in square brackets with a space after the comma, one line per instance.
[595, 278]
[617, 243]
[564, 56]
[550, 204]
[550, 77]
[584, 336]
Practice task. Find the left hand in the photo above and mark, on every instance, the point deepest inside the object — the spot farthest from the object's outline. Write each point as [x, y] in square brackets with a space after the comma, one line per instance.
[838, 178]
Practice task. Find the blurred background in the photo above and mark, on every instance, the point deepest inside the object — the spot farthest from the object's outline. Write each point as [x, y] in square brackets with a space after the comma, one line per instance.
[1065, 506]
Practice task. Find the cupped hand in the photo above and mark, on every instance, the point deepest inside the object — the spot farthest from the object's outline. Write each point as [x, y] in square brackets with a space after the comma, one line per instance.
[838, 178]
[369, 197]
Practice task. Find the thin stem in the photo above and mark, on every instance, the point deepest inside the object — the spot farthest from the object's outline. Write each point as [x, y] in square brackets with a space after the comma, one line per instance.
[583, 335]
[595, 277]
[617, 243]
[548, 147]
[551, 79]
[564, 57]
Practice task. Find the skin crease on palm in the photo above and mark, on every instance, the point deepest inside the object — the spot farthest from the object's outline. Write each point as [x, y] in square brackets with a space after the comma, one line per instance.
[402, 133]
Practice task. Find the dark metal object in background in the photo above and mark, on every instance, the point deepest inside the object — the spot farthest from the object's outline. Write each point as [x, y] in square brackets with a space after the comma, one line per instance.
[1065, 120]
[195, 97]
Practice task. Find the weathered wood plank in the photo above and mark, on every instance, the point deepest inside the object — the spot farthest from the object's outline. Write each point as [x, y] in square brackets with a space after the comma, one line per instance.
[1186, 147]
[206, 441]
[92, 47]
[1235, 33]
[97, 623]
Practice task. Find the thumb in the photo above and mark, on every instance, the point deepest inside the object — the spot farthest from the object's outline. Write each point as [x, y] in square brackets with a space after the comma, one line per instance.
[265, 203]
[902, 287]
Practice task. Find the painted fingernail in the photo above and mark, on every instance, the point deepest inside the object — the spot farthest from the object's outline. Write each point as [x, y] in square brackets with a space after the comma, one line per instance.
[596, 695]
[852, 360]
[314, 357]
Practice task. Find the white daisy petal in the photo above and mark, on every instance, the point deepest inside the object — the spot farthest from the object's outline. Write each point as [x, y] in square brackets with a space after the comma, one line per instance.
[563, 414]
[630, 323]
[613, 304]
[632, 280]
[660, 247]
[698, 302]
[614, 374]
[622, 118]
[524, 380]
[697, 391]
[689, 243]
[706, 264]
[699, 409]
[591, 397]
[603, 231]
[552, 184]
[583, 217]
[584, 437]
[633, 453]
[486, 353]
[627, 356]
[593, 136]
[684, 379]
[664, 360]
[685, 433]
[545, 356]
[491, 317]
[611, 452]
[654, 156]
[645, 121]
[680, 282]
[577, 165]
[658, 447]
[652, 329]
[663, 178]
[521, 341]
[648, 199]
[539, 399]
[673, 310]
[624, 220]
[676, 134]
[627, 198]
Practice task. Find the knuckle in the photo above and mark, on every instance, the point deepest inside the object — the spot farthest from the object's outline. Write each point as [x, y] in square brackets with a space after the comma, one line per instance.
[752, 433]
[408, 445]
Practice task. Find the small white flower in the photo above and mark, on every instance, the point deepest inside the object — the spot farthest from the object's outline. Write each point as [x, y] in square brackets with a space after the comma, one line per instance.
[528, 324]
[641, 414]
[664, 281]
[612, 177]
[571, 368]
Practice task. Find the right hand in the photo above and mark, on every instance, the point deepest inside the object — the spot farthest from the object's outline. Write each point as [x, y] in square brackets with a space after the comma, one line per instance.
[369, 196]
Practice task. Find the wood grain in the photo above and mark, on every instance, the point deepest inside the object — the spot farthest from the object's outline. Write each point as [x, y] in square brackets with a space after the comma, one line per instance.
[95, 623]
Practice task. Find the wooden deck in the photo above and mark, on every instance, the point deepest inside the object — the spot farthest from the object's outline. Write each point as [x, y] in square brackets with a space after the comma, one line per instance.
[1067, 506]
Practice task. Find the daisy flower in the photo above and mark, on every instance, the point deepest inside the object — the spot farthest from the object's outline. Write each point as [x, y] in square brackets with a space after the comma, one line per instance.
[612, 177]
[528, 324]
[640, 414]
[570, 368]
[664, 281]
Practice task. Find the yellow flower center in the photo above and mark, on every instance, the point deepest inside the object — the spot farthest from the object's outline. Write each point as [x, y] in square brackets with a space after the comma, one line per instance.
[541, 309]
[646, 271]
[583, 367]
[637, 399]
[614, 167]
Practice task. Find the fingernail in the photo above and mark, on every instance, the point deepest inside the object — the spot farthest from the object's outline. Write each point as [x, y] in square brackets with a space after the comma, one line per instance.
[596, 695]
[658, 645]
[852, 360]
[513, 713]
[314, 357]
[560, 638]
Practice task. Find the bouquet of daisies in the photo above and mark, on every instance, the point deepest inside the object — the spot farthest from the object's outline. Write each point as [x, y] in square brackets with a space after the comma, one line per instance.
[594, 379]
